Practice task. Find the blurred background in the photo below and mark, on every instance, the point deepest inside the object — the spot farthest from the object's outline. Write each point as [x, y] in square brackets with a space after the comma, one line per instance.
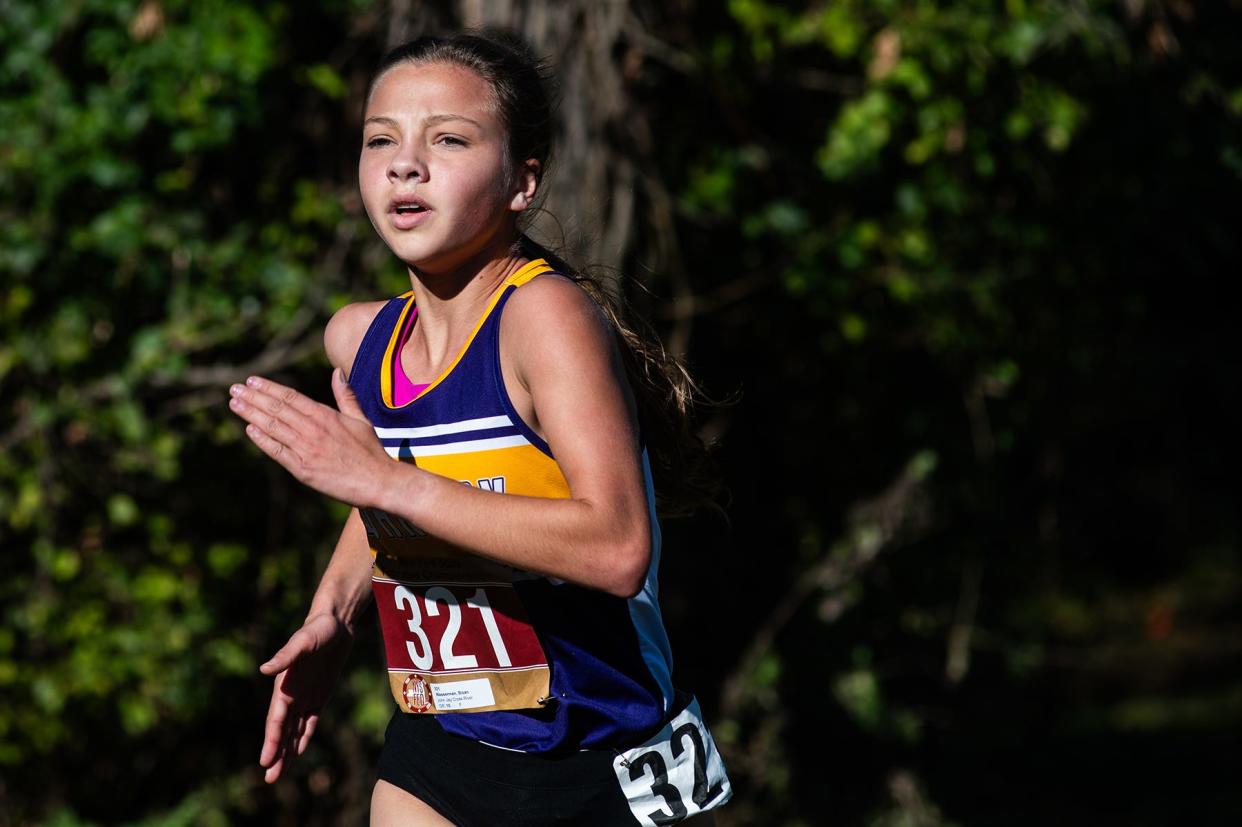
[961, 267]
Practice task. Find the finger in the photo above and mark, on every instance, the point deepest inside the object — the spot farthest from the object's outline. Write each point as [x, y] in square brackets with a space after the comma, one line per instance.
[282, 753]
[273, 405]
[274, 448]
[287, 395]
[311, 722]
[295, 737]
[287, 752]
[274, 766]
[275, 666]
[274, 727]
[270, 425]
[281, 756]
[346, 400]
[273, 772]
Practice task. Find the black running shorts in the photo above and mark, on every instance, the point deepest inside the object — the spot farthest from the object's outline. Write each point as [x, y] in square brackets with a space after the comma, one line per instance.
[471, 783]
[673, 775]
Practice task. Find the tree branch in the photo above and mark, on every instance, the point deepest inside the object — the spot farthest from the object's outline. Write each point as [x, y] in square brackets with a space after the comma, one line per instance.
[873, 526]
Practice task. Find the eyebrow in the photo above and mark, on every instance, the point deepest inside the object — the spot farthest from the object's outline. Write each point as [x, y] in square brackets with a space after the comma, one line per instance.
[430, 120]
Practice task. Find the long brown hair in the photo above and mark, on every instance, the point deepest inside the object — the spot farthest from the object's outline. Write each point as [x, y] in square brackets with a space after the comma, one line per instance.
[666, 394]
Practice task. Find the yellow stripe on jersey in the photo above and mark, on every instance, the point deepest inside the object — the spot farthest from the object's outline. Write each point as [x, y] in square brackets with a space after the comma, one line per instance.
[524, 469]
[524, 274]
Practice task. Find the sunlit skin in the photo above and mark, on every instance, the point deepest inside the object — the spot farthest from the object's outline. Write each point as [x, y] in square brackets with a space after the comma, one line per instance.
[430, 133]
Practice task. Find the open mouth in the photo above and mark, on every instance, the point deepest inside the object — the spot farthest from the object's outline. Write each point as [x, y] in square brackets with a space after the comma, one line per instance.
[408, 204]
[407, 211]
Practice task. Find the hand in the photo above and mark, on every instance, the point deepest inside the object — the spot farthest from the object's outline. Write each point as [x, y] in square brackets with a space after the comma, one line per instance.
[306, 670]
[333, 451]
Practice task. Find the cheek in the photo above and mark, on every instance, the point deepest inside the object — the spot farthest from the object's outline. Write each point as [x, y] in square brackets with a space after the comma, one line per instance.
[372, 193]
[482, 210]
[370, 179]
[488, 193]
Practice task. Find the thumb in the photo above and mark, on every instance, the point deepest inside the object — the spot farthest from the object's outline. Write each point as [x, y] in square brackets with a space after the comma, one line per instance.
[346, 401]
[279, 662]
[299, 644]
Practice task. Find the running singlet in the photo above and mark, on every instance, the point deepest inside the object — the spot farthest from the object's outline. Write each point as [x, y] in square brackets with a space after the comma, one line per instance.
[499, 655]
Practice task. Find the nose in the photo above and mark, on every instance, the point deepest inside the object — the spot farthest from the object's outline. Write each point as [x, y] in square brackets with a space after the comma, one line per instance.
[407, 163]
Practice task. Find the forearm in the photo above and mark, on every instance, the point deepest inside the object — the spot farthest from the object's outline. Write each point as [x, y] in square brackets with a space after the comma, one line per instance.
[573, 539]
[345, 588]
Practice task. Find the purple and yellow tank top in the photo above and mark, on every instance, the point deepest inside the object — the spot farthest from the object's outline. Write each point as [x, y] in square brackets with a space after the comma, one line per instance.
[500, 655]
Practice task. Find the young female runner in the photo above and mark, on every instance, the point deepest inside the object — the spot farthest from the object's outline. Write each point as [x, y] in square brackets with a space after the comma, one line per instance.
[512, 550]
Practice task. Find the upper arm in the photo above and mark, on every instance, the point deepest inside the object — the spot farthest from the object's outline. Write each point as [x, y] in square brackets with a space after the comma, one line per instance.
[343, 335]
[566, 354]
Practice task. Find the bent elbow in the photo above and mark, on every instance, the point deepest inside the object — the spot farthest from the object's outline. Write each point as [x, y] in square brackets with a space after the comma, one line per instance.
[630, 571]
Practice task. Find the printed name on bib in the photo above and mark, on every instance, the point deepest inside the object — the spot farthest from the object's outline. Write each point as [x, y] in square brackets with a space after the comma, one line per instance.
[463, 695]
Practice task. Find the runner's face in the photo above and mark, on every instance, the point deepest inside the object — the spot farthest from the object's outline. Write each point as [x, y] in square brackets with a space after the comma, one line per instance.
[432, 167]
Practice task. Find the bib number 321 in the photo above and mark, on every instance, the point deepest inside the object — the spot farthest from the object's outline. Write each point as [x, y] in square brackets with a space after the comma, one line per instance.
[675, 774]
[459, 647]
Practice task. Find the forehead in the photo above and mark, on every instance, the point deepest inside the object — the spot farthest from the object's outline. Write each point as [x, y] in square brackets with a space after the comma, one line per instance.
[431, 88]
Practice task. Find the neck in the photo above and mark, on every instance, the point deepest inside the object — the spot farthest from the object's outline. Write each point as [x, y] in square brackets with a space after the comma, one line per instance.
[451, 300]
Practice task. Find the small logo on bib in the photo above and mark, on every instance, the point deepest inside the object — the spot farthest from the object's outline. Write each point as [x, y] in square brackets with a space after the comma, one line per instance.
[416, 693]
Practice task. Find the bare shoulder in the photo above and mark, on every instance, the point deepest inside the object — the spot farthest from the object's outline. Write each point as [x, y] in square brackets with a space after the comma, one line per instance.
[343, 335]
[565, 360]
[551, 313]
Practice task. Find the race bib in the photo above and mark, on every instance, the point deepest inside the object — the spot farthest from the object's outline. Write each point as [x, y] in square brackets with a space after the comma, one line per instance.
[456, 635]
[675, 774]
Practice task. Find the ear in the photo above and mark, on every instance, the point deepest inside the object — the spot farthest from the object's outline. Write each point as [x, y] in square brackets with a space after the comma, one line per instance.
[526, 186]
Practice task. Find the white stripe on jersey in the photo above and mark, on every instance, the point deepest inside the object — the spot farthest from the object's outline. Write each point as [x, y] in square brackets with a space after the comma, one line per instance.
[445, 428]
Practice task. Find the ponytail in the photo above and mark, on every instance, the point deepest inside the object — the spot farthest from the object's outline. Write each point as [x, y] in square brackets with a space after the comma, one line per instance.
[667, 398]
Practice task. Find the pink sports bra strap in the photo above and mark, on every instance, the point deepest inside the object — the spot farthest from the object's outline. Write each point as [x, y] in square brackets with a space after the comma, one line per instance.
[403, 390]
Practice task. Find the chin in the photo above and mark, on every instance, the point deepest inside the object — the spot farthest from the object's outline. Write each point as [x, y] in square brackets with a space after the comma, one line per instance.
[414, 252]
[424, 259]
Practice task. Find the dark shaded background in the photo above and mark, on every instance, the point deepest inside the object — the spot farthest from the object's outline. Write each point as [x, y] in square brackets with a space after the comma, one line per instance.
[962, 268]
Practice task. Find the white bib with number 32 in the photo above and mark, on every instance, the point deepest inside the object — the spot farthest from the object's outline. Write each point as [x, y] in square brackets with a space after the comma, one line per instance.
[675, 774]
